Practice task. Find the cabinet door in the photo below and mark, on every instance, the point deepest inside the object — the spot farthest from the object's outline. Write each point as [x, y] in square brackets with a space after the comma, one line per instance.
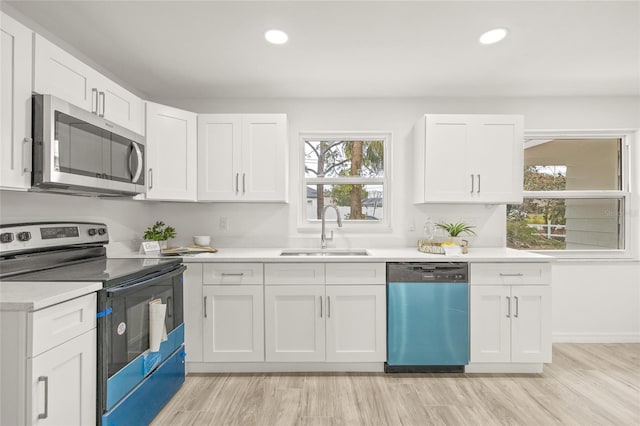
[63, 383]
[490, 325]
[264, 157]
[193, 311]
[356, 323]
[495, 158]
[233, 323]
[294, 323]
[58, 73]
[120, 106]
[219, 151]
[15, 97]
[171, 154]
[531, 324]
[446, 176]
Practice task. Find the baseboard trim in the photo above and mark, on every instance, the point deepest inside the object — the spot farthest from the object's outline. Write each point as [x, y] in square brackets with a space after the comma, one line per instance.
[491, 367]
[282, 367]
[596, 337]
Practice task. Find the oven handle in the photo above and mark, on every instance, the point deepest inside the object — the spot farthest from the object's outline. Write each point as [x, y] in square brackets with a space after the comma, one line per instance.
[136, 284]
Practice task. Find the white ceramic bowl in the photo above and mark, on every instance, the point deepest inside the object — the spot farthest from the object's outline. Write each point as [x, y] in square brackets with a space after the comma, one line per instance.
[202, 240]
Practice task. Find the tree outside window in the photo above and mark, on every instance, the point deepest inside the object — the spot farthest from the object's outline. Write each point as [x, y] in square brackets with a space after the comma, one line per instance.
[346, 172]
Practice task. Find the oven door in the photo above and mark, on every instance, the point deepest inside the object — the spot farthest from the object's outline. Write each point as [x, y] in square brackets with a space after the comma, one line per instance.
[126, 335]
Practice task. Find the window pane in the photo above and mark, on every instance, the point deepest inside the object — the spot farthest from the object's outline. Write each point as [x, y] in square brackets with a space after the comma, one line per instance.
[573, 165]
[355, 202]
[332, 159]
[565, 224]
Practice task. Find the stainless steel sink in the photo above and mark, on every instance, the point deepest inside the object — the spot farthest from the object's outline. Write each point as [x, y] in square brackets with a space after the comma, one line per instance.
[326, 252]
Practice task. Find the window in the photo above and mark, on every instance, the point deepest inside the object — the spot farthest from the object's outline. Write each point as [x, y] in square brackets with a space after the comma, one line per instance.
[346, 170]
[575, 196]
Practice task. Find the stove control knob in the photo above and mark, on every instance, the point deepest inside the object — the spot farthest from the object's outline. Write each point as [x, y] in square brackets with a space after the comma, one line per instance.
[24, 236]
[92, 232]
[6, 237]
[102, 231]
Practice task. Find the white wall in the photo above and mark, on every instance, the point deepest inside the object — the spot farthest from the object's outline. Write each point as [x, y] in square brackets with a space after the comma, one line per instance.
[599, 312]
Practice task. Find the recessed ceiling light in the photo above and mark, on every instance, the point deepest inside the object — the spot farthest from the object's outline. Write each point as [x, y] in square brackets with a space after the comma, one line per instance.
[276, 36]
[493, 36]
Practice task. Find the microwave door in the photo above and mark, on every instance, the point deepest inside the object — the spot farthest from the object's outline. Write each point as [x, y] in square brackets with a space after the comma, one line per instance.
[81, 147]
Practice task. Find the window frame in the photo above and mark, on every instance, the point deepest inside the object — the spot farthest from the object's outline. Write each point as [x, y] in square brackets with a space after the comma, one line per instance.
[353, 226]
[630, 227]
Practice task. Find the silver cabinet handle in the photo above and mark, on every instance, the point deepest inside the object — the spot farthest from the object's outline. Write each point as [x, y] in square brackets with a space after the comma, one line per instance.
[27, 151]
[150, 173]
[99, 95]
[244, 187]
[320, 306]
[237, 176]
[511, 275]
[328, 306]
[205, 306]
[517, 307]
[45, 379]
[94, 101]
[472, 184]
[508, 307]
[229, 274]
[478, 184]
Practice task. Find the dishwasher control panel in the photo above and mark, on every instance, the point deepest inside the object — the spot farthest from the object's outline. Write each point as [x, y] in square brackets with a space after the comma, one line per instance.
[436, 272]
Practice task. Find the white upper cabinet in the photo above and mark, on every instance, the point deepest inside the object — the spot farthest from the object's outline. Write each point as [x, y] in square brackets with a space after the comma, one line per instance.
[469, 159]
[15, 97]
[242, 157]
[58, 73]
[171, 154]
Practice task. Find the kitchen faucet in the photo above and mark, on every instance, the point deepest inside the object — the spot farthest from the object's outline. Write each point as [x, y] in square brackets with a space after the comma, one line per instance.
[323, 237]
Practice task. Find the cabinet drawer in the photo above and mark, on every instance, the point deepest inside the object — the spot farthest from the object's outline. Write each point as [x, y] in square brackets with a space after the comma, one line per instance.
[355, 273]
[59, 323]
[293, 273]
[510, 273]
[232, 273]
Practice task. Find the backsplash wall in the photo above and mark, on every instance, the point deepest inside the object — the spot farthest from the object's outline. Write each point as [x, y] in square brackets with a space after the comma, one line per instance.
[264, 225]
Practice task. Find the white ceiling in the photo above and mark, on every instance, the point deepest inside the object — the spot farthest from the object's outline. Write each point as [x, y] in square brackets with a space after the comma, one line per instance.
[212, 49]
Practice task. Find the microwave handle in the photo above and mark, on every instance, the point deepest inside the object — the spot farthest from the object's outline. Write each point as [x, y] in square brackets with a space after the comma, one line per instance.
[136, 175]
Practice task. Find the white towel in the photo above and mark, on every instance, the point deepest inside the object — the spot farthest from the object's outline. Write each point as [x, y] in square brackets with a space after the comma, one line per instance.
[157, 326]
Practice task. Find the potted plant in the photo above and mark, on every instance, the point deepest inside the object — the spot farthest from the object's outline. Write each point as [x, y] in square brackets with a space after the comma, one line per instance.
[159, 232]
[455, 230]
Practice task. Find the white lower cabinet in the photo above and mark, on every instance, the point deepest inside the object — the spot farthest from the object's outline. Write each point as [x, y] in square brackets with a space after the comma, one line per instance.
[63, 383]
[294, 323]
[356, 323]
[233, 303]
[48, 364]
[310, 322]
[233, 323]
[510, 323]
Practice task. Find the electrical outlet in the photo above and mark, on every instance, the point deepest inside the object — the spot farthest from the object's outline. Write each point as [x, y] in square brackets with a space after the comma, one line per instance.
[224, 224]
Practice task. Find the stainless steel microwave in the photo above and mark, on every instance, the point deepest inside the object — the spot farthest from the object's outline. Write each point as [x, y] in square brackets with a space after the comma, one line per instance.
[77, 152]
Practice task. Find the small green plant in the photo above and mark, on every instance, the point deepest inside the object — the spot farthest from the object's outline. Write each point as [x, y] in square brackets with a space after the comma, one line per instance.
[159, 232]
[455, 229]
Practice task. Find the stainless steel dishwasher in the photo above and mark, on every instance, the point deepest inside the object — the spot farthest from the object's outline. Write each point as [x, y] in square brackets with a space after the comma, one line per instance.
[427, 317]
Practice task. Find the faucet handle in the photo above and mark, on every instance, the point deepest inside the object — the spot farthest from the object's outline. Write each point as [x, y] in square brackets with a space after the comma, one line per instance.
[330, 237]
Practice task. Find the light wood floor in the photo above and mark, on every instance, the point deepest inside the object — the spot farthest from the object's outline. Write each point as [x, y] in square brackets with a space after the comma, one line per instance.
[587, 384]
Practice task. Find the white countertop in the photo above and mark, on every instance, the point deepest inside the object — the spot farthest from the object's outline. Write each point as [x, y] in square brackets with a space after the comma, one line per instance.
[31, 296]
[375, 255]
